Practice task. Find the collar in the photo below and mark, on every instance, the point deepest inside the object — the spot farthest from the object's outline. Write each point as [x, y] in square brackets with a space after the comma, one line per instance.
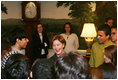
[109, 43]
[40, 34]
[14, 49]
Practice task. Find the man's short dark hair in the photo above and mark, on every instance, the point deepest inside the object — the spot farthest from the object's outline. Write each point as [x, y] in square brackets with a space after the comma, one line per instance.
[17, 67]
[41, 69]
[108, 18]
[114, 27]
[106, 29]
[17, 33]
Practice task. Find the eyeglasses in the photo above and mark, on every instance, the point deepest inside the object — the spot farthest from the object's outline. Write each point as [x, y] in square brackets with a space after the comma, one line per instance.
[113, 33]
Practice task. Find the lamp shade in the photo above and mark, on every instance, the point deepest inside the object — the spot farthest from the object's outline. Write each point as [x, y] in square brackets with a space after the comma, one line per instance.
[89, 30]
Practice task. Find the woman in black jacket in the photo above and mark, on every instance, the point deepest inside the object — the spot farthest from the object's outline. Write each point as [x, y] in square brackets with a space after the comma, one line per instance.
[40, 43]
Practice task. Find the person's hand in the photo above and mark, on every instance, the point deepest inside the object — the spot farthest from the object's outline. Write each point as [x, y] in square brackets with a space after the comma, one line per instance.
[106, 59]
[45, 44]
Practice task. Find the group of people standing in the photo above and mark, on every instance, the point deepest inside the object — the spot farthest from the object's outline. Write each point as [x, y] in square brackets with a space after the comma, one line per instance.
[104, 51]
[65, 63]
[40, 41]
[40, 44]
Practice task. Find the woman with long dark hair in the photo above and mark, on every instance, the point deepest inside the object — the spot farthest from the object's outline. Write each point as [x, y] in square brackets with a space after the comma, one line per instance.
[72, 41]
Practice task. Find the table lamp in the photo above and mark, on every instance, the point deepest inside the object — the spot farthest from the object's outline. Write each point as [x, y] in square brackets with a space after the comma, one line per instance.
[89, 32]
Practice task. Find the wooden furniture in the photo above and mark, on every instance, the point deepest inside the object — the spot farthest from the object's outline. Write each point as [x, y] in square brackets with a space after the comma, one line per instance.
[84, 53]
[31, 11]
[30, 16]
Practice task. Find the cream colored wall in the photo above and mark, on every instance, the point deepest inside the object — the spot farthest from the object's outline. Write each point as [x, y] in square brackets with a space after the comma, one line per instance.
[48, 10]
[14, 9]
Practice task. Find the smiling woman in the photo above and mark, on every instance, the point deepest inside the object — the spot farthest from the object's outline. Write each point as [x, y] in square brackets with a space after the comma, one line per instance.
[58, 44]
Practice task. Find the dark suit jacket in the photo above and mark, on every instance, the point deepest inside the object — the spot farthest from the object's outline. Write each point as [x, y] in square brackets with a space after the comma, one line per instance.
[37, 46]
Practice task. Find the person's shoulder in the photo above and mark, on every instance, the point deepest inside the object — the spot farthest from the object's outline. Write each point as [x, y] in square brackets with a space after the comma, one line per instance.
[95, 44]
[73, 34]
[62, 34]
[6, 57]
[112, 43]
[53, 58]
[10, 53]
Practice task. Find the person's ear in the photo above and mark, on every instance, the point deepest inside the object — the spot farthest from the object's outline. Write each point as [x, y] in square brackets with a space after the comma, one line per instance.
[63, 46]
[108, 36]
[17, 40]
